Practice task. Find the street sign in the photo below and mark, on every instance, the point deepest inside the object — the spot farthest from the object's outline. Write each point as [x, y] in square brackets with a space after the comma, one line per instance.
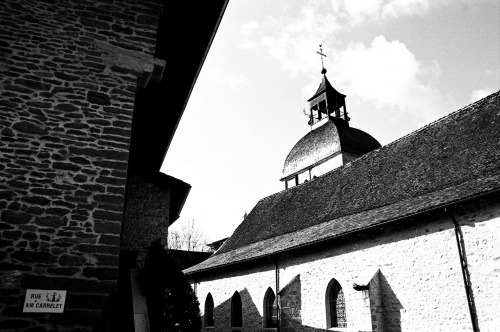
[41, 300]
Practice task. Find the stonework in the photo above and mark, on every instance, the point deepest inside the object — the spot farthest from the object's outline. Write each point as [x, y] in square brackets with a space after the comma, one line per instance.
[420, 285]
[146, 216]
[69, 73]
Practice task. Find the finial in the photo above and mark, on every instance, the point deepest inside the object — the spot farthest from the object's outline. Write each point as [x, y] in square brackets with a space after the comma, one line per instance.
[323, 69]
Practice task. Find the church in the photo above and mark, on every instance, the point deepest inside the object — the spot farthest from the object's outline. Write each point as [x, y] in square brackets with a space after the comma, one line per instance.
[364, 237]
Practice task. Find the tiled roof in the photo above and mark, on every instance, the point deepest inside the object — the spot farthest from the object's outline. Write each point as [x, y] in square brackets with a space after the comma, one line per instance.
[326, 141]
[454, 158]
[323, 86]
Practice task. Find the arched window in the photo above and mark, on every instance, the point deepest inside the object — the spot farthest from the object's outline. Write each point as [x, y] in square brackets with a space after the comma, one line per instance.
[270, 309]
[236, 312]
[209, 311]
[335, 305]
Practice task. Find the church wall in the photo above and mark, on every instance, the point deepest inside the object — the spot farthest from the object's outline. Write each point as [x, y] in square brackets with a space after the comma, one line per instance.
[68, 76]
[482, 242]
[420, 277]
[252, 287]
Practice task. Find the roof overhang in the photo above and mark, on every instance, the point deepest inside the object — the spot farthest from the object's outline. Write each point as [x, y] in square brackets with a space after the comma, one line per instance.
[179, 191]
[185, 34]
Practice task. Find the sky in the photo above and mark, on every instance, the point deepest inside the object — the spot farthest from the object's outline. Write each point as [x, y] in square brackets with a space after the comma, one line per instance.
[402, 64]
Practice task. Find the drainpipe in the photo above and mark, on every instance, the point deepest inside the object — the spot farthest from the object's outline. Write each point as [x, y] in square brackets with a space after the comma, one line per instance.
[465, 271]
[278, 304]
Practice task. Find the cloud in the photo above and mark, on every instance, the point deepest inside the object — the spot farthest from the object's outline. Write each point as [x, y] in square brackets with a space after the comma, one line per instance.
[387, 74]
[296, 39]
[384, 73]
[324, 21]
[480, 94]
[248, 28]
[230, 80]
[247, 35]
[398, 8]
[359, 10]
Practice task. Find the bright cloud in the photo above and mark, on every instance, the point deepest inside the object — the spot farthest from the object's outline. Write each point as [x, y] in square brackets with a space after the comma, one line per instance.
[322, 21]
[293, 43]
[359, 10]
[231, 80]
[385, 73]
[248, 28]
[388, 74]
[247, 38]
[480, 94]
[397, 8]
[382, 72]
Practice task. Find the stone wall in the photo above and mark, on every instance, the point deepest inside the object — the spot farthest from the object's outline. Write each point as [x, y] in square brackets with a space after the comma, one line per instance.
[146, 216]
[420, 279]
[68, 77]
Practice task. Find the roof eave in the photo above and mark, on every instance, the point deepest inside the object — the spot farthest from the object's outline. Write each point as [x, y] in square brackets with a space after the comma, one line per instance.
[342, 235]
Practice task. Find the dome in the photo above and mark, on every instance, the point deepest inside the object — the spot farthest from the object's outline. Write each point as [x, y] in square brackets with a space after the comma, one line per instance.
[326, 141]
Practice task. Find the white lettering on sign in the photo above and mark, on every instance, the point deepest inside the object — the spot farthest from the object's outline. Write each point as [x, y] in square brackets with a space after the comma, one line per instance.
[41, 300]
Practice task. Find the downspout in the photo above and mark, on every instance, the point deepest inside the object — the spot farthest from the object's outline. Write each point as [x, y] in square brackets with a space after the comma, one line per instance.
[278, 302]
[465, 271]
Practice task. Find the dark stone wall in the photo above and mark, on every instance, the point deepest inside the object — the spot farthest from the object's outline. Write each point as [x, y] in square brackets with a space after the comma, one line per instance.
[146, 215]
[68, 76]
[184, 259]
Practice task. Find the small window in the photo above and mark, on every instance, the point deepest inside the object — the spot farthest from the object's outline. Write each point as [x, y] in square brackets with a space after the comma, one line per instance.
[335, 305]
[236, 311]
[209, 311]
[270, 309]
[322, 108]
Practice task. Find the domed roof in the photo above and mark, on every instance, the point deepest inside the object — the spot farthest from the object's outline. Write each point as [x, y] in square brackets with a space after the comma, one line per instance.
[326, 141]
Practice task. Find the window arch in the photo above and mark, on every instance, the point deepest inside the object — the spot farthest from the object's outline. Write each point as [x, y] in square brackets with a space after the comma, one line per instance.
[209, 311]
[236, 311]
[335, 305]
[270, 309]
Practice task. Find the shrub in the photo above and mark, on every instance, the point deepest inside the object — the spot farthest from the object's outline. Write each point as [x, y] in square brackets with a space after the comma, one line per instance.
[172, 304]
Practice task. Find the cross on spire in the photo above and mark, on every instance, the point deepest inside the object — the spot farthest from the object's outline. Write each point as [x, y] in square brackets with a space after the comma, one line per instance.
[322, 55]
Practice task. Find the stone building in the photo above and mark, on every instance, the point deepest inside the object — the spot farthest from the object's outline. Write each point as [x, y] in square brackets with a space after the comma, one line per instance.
[404, 237]
[91, 95]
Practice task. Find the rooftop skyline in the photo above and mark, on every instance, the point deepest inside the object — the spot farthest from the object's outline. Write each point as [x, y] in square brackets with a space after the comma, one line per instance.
[402, 65]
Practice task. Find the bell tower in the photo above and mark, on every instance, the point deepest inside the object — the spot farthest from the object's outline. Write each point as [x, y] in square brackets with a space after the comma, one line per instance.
[326, 102]
[331, 142]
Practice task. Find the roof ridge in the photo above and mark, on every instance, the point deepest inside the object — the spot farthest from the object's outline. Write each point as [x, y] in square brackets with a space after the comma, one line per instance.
[460, 110]
[443, 118]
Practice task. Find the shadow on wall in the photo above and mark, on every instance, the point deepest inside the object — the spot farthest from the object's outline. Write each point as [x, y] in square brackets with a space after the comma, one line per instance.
[392, 306]
[225, 318]
[291, 310]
